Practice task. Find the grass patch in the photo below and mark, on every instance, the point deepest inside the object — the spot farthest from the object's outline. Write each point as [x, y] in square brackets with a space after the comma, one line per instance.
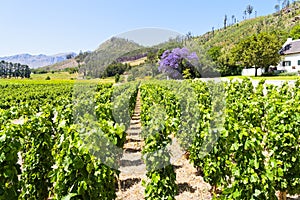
[136, 62]
[54, 76]
[284, 78]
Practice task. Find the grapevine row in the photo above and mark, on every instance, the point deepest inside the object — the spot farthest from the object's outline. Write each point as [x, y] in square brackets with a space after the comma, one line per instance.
[159, 120]
[243, 140]
[43, 124]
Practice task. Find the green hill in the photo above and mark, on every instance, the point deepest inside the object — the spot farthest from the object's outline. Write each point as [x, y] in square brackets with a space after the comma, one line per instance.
[121, 51]
[108, 52]
[223, 40]
[279, 22]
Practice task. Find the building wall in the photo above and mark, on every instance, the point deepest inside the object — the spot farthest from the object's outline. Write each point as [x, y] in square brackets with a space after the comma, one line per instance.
[251, 72]
[294, 63]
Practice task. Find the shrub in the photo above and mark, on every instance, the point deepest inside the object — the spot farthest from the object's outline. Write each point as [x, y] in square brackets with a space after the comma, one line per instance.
[130, 78]
[117, 78]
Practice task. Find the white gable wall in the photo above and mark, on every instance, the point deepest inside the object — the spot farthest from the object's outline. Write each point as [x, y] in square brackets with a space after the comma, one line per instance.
[294, 63]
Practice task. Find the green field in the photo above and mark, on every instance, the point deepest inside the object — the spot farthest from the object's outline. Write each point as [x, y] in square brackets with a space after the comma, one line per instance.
[255, 137]
[56, 77]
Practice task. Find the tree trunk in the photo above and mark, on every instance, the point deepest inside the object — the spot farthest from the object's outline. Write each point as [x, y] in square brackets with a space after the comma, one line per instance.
[266, 69]
[255, 71]
[282, 195]
[213, 190]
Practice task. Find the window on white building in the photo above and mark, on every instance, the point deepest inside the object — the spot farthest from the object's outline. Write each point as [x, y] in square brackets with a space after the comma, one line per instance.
[286, 63]
[298, 62]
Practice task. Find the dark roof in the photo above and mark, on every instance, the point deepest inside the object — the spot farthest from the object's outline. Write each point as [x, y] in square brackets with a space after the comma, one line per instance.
[291, 48]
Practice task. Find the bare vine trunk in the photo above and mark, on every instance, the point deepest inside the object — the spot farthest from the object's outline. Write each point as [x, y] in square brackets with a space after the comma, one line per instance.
[282, 195]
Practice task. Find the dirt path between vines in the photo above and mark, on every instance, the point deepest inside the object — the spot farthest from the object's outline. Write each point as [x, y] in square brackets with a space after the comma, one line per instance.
[133, 169]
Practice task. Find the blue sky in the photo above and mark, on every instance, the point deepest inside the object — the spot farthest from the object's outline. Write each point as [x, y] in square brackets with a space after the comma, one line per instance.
[55, 26]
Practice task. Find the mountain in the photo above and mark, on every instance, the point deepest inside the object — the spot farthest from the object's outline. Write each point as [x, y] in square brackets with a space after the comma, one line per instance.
[36, 61]
[59, 66]
[113, 50]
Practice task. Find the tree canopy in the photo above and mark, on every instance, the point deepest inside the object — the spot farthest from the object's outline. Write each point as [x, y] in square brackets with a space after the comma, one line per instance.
[295, 32]
[9, 70]
[115, 68]
[179, 62]
[258, 50]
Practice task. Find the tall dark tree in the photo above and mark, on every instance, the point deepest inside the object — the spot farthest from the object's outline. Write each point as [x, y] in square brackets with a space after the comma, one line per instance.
[285, 3]
[225, 21]
[10, 70]
[249, 10]
[279, 3]
[14, 70]
[245, 14]
[27, 71]
[189, 35]
[277, 8]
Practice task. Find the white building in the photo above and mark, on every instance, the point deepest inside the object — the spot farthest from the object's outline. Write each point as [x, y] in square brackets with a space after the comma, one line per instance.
[291, 52]
[251, 72]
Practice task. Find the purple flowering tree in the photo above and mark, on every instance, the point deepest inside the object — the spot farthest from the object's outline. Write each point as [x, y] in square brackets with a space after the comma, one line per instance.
[175, 62]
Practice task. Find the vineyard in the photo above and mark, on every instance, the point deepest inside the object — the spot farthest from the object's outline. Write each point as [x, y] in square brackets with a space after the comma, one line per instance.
[64, 140]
